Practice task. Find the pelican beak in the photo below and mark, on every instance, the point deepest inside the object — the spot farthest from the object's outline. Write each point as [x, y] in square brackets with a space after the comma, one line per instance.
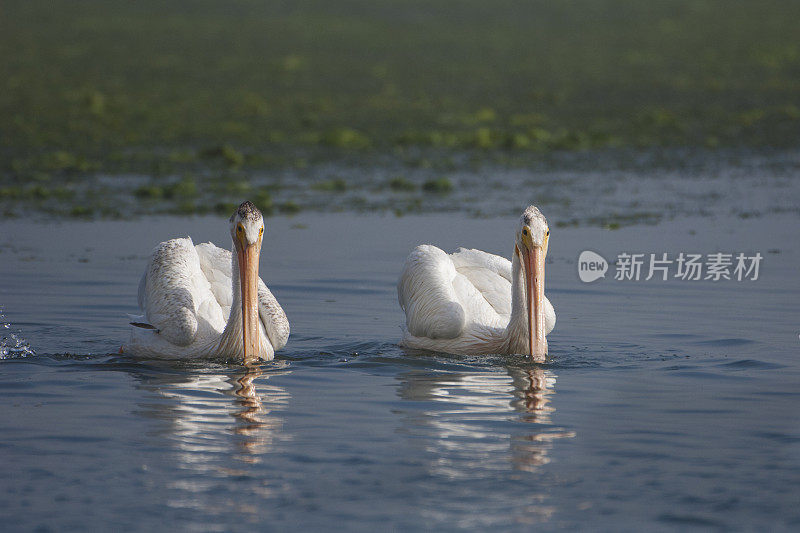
[533, 260]
[248, 281]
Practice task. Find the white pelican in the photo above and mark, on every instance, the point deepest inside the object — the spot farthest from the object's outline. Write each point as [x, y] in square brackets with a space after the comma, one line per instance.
[187, 291]
[473, 302]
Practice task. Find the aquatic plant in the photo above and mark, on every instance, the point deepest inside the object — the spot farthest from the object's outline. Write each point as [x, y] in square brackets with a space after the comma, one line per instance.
[400, 183]
[331, 185]
[263, 200]
[225, 208]
[225, 153]
[439, 186]
[345, 138]
[149, 192]
[289, 94]
[185, 188]
[81, 211]
[289, 208]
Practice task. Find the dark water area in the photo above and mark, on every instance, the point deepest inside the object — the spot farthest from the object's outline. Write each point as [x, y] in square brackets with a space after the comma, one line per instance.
[664, 405]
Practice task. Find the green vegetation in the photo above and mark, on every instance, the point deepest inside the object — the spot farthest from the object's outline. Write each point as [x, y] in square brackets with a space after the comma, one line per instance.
[440, 186]
[344, 138]
[331, 185]
[289, 208]
[225, 208]
[82, 80]
[201, 97]
[401, 184]
[263, 200]
[225, 154]
[183, 189]
[149, 192]
[80, 211]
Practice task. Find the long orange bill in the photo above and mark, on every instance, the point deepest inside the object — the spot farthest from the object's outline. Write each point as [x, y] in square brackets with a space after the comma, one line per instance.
[534, 292]
[248, 280]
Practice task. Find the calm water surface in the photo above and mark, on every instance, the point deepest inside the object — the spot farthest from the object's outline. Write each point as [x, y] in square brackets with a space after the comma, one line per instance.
[664, 405]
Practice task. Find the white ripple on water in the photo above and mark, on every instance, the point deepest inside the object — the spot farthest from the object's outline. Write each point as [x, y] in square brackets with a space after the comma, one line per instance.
[12, 344]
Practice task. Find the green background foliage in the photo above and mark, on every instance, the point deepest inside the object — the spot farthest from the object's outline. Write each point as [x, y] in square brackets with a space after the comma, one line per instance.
[97, 76]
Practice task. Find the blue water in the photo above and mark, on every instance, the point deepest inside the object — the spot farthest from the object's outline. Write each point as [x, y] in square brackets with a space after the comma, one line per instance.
[665, 405]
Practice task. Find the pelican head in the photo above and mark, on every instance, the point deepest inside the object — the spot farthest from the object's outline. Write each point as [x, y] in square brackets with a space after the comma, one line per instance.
[247, 230]
[532, 237]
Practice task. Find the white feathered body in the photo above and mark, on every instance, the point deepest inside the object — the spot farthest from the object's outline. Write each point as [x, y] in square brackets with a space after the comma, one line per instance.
[462, 303]
[191, 296]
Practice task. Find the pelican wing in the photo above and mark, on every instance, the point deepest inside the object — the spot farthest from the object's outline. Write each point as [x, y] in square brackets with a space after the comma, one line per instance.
[216, 265]
[490, 274]
[428, 296]
[272, 317]
[172, 290]
[444, 295]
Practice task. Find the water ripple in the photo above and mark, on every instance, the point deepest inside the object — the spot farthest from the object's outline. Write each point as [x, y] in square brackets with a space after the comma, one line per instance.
[12, 344]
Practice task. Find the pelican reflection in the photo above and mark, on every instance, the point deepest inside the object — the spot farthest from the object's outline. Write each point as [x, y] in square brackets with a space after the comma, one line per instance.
[533, 391]
[471, 419]
[256, 421]
[219, 412]
[220, 424]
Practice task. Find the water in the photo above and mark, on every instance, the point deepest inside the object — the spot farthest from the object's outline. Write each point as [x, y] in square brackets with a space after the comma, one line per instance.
[665, 404]
[590, 188]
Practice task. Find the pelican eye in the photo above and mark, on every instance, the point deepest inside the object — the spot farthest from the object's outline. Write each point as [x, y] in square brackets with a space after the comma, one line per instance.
[525, 231]
[261, 231]
[239, 229]
[547, 233]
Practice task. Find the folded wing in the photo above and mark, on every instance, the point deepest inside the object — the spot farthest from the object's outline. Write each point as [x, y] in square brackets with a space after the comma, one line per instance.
[428, 296]
[491, 276]
[172, 290]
